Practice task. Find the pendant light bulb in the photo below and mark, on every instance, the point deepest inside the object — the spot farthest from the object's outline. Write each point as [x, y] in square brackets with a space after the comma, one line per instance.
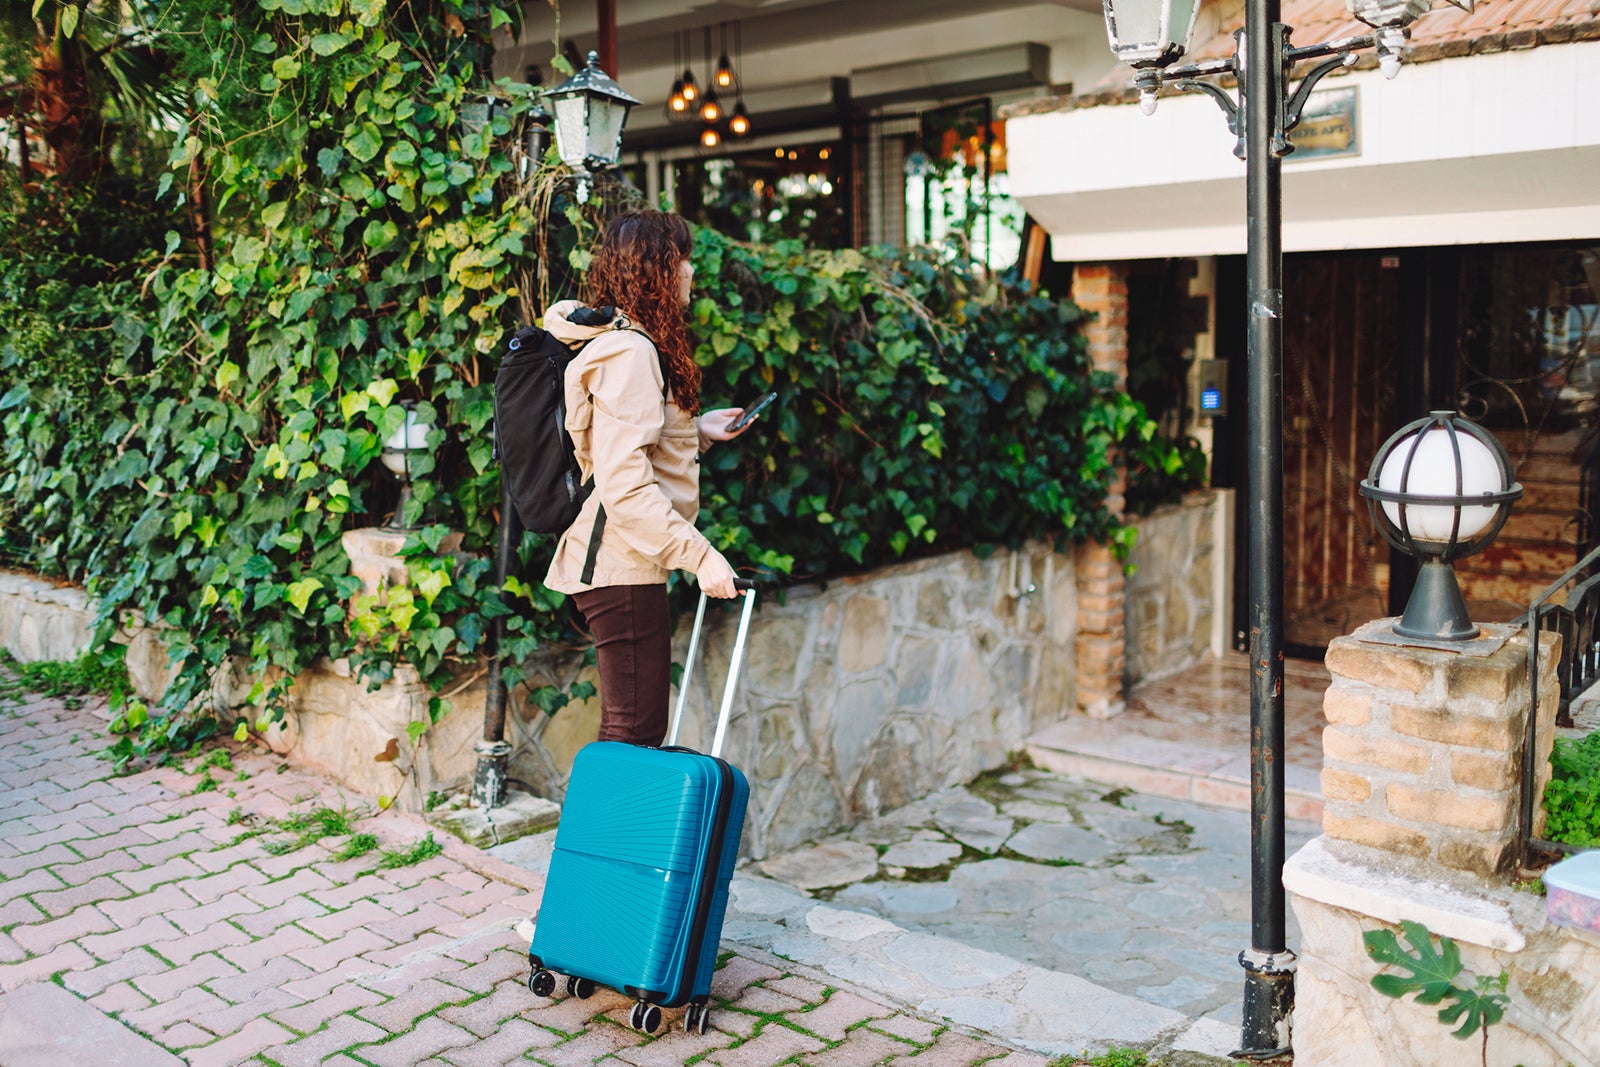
[710, 106]
[691, 91]
[724, 72]
[710, 138]
[739, 124]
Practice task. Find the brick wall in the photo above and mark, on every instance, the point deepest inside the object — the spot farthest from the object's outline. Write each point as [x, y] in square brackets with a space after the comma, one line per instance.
[1102, 290]
[1422, 755]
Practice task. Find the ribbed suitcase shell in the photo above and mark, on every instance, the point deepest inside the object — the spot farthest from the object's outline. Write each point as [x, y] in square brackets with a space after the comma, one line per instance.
[633, 853]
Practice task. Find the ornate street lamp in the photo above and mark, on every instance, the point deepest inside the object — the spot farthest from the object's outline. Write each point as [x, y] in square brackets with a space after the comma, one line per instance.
[590, 111]
[1153, 35]
[1439, 489]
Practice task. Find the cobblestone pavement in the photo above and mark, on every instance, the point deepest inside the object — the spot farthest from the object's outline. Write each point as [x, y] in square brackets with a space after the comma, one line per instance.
[167, 909]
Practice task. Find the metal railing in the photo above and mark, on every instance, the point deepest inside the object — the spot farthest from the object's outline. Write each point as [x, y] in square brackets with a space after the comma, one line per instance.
[1577, 669]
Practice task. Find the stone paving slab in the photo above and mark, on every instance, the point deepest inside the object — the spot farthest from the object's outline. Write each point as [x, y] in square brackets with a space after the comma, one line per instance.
[43, 1025]
[245, 957]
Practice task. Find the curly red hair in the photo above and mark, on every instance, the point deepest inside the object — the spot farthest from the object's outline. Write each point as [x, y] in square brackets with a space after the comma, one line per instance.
[635, 269]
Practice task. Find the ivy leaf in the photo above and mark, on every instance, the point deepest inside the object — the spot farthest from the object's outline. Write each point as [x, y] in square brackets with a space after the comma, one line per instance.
[285, 68]
[390, 753]
[329, 160]
[415, 730]
[227, 374]
[326, 44]
[383, 391]
[365, 143]
[299, 593]
[352, 404]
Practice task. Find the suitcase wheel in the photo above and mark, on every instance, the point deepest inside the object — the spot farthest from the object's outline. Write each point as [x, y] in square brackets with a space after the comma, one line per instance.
[694, 1019]
[541, 983]
[581, 988]
[645, 1016]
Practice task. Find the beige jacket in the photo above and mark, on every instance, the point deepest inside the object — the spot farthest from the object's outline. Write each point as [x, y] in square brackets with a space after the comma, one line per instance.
[643, 451]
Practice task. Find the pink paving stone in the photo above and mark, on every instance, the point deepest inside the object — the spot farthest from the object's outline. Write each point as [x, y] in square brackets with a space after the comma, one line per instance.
[763, 1001]
[343, 894]
[569, 1015]
[228, 1020]
[95, 847]
[10, 951]
[188, 843]
[134, 964]
[342, 1033]
[173, 983]
[331, 979]
[338, 923]
[731, 980]
[258, 1034]
[216, 886]
[212, 938]
[309, 1016]
[63, 901]
[405, 901]
[322, 957]
[194, 920]
[673, 1048]
[185, 1035]
[274, 974]
[478, 901]
[42, 937]
[429, 946]
[801, 989]
[397, 1015]
[842, 1011]
[951, 1049]
[281, 866]
[274, 893]
[19, 911]
[460, 877]
[278, 943]
[68, 957]
[291, 910]
[192, 1003]
[501, 965]
[861, 1047]
[120, 999]
[406, 965]
[170, 828]
[32, 882]
[918, 1031]
[484, 1015]
[214, 859]
[505, 1045]
[774, 1044]
[480, 946]
[174, 870]
[504, 914]
[159, 901]
[400, 928]
[1018, 1058]
[431, 1037]
[592, 1047]
[151, 930]
[23, 840]
[30, 861]
[110, 863]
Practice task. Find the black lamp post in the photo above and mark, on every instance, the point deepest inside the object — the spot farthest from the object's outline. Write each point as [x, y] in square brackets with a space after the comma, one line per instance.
[590, 113]
[1152, 35]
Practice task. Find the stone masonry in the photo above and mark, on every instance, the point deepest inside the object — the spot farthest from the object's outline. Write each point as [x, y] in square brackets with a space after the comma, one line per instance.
[1171, 596]
[1102, 290]
[1422, 765]
[1423, 751]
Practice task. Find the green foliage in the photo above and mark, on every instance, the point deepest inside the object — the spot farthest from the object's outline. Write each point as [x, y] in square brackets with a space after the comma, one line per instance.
[308, 827]
[422, 849]
[1431, 974]
[358, 845]
[89, 673]
[923, 409]
[1572, 798]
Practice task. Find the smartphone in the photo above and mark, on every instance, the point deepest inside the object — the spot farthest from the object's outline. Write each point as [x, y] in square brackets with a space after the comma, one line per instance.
[751, 411]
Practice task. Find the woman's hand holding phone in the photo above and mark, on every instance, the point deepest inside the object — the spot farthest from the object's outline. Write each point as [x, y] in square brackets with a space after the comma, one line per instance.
[724, 424]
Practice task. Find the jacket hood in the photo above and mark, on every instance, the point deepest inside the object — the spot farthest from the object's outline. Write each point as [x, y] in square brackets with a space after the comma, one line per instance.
[573, 323]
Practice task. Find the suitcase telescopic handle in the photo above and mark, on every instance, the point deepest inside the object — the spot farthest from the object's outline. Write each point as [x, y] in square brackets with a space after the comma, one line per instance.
[734, 665]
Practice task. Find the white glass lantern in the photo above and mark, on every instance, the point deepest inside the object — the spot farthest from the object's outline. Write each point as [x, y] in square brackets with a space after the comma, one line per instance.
[399, 450]
[590, 112]
[1150, 33]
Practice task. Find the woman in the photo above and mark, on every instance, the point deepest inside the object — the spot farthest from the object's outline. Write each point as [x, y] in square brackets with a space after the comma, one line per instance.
[633, 397]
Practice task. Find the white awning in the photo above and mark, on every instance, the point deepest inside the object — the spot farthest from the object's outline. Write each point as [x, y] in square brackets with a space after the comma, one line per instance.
[1482, 149]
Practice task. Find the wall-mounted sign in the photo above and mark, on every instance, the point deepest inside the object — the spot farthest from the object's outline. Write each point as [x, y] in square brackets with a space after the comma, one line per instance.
[1327, 126]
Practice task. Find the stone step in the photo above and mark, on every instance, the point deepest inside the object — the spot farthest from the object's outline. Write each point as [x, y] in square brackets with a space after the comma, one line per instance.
[1104, 750]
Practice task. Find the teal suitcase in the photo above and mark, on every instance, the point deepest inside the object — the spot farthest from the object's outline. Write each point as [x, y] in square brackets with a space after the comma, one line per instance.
[638, 881]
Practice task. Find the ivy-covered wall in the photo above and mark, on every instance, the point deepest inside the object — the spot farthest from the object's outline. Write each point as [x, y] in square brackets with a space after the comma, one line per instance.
[194, 411]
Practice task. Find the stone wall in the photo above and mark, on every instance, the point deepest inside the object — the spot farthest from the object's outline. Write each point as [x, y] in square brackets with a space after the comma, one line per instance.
[40, 620]
[1422, 760]
[1172, 595]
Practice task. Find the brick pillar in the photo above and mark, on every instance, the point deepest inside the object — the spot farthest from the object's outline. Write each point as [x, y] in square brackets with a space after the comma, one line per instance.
[1102, 290]
[1422, 755]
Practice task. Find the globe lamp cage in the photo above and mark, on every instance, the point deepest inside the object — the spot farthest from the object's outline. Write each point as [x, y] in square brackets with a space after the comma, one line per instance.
[1440, 489]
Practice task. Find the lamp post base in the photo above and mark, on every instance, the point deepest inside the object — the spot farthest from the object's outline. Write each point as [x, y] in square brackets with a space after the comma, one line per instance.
[1436, 610]
[489, 780]
[1268, 1004]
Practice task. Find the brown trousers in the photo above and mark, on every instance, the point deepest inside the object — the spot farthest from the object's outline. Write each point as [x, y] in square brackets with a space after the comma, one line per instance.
[633, 645]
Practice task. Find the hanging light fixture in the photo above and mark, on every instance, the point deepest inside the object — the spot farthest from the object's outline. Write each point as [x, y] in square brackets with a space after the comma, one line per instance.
[710, 138]
[677, 107]
[691, 89]
[739, 124]
[726, 77]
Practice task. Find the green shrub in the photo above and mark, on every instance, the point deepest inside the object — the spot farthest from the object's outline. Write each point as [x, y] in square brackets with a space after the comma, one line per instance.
[1572, 798]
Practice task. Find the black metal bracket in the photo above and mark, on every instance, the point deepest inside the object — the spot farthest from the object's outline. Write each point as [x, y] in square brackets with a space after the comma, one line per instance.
[1291, 103]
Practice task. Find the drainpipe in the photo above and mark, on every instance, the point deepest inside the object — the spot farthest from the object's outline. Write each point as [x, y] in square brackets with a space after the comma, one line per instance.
[489, 780]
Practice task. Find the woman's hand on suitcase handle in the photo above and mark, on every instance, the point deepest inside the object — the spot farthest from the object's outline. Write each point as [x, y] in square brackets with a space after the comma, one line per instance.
[716, 576]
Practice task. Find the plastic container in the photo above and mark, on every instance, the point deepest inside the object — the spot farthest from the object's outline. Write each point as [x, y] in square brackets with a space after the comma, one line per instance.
[1573, 892]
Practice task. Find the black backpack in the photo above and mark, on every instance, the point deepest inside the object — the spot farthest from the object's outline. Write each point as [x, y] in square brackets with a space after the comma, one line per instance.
[530, 431]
